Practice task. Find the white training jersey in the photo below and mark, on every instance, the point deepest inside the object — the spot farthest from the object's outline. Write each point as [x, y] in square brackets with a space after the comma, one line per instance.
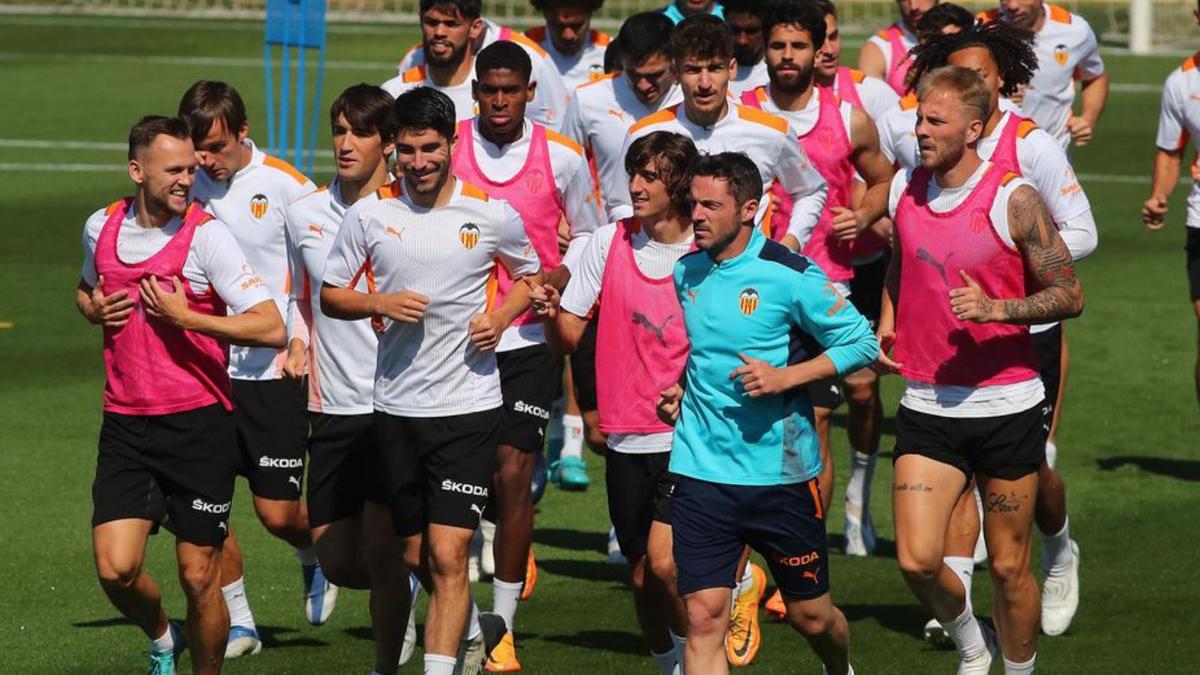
[1179, 121]
[214, 260]
[768, 140]
[898, 133]
[748, 78]
[586, 65]
[253, 203]
[876, 96]
[597, 118]
[654, 259]
[549, 101]
[574, 187]
[431, 368]
[907, 38]
[1067, 51]
[954, 400]
[341, 354]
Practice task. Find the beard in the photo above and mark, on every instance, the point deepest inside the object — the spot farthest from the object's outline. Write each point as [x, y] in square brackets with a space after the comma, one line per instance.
[454, 58]
[791, 83]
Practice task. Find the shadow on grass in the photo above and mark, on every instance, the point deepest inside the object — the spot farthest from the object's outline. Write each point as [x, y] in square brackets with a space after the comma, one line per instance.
[1183, 469]
[104, 623]
[621, 642]
[884, 548]
[571, 540]
[271, 635]
[590, 570]
[907, 619]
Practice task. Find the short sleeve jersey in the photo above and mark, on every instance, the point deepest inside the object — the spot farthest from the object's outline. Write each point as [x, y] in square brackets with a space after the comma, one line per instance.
[1179, 121]
[253, 203]
[431, 368]
[586, 65]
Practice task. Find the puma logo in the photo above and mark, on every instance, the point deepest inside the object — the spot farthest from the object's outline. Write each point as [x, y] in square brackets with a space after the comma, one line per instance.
[316, 228]
[809, 574]
[399, 234]
[927, 257]
[477, 509]
[691, 293]
[641, 320]
[295, 481]
[617, 114]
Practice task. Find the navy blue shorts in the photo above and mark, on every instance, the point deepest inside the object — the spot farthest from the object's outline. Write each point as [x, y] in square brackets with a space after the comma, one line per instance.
[712, 522]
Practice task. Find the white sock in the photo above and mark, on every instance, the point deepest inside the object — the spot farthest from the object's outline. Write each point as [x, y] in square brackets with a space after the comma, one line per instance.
[572, 436]
[165, 642]
[966, 634]
[858, 487]
[505, 595]
[436, 664]
[965, 569]
[1025, 668]
[680, 647]
[747, 582]
[1051, 453]
[238, 604]
[1056, 550]
[668, 663]
[306, 556]
[473, 628]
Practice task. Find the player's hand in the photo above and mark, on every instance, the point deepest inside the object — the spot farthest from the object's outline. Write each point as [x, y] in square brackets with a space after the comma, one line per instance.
[485, 330]
[406, 306]
[760, 378]
[545, 300]
[564, 235]
[295, 366]
[1080, 130]
[847, 223]
[970, 303]
[884, 365]
[110, 311]
[170, 307]
[1154, 213]
[668, 404]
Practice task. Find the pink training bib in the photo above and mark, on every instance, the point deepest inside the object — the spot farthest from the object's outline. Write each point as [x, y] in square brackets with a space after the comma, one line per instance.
[897, 74]
[933, 344]
[847, 86]
[641, 342]
[1005, 154]
[531, 192]
[153, 368]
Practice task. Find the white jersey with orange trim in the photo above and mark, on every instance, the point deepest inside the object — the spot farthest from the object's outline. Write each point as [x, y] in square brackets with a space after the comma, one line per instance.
[253, 203]
[748, 78]
[1067, 52]
[768, 140]
[431, 368]
[876, 96]
[1179, 121]
[548, 104]
[597, 118]
[576, 192]
[341, 354]
[586, 65]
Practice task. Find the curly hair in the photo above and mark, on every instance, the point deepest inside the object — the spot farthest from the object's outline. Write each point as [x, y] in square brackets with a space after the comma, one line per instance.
[1011, 48]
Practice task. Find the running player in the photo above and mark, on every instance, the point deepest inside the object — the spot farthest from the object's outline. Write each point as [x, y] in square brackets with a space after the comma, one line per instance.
[969, 234]
[1178, 122]
[841, 141]
[250, 190]
[763, 322]
[431, 251]
[1067, 52]
[545, 178]
[743, 18]
[347, 502]
[576, 49]
[885, 54]
[860, 90]
[643, 348]
[679, 10]
[1006, 59]
[452, 33]
[159, 274]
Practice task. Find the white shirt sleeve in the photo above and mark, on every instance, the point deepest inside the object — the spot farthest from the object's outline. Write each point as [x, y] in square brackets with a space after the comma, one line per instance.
[899, 182]
[583, 290]
[1091, 65]
[572, 123]
[349, 253]
[91, 234]
[1044, 163]
[514, 249]
[803, 184]
[579, 200]
[221, 259]
[299, 316]
[1080, 235]
[1172, 135]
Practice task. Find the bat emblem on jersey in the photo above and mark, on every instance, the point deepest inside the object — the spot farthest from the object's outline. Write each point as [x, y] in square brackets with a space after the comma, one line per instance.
[468, 234]
[535, 180]
[1061, 54]
[748, 301]
[258, 206]
[640, 319]
[927, 257]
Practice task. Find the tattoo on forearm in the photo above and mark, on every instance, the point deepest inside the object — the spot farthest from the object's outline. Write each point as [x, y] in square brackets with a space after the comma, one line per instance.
[1011, 502]
[911, 487]
[1049, 260]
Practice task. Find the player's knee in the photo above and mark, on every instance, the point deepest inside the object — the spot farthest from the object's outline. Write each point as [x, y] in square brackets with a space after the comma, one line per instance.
[340, 564]
[859, 394]
[118, 572]
[513, 477]
[1008, 568]
[278, 519]
[919, 569]
[663, 569]
[705, 618]
[810, 622]
[447, 558]
[199, 573]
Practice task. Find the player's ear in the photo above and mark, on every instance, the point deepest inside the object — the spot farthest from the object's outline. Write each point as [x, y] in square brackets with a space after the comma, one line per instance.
[749, 210]
[732, 68]
[475, 93]
[530, 91]
[476, 29]
[241, 134]
[974, 131]
[136, 173]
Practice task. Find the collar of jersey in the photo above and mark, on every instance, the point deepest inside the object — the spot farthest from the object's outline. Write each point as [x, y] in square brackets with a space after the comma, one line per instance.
[750, 253]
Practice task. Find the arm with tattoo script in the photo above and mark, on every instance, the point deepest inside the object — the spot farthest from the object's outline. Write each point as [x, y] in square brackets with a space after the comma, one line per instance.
[1047, 260]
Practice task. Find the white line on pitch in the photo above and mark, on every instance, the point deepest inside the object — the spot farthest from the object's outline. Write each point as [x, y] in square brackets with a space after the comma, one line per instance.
[155, 59]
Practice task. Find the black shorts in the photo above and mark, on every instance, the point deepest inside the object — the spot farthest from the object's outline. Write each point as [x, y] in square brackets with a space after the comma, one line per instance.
[866, 288]
[1007, 447]
[639, 493]
[529, 381]
[343, 467]
[176, 470]
[825, 393]
[712, 522]
[438, 470]
[1048, 347]
[272, 423]
[583, 366]
[1193, 261]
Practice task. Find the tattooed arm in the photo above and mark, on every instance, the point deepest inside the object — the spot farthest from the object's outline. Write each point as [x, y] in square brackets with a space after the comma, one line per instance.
[1047, 260]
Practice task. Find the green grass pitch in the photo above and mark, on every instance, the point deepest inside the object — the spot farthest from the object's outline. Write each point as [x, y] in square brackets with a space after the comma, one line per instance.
[1128, 444]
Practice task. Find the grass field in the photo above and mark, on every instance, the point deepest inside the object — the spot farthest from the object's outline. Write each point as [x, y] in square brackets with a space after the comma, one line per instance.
[1128, 443]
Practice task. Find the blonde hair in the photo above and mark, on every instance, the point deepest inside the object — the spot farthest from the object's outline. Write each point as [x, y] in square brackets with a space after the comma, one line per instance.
[965, 83]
